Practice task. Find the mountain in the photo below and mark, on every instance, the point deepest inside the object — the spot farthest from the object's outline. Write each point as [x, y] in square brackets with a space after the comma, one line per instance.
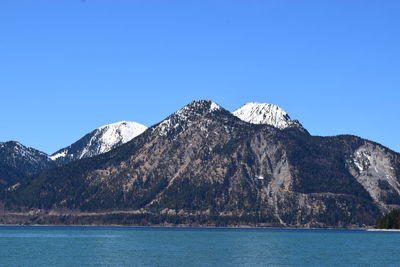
[18, 161]
[99, 141]
[263, 113]
[204, 166]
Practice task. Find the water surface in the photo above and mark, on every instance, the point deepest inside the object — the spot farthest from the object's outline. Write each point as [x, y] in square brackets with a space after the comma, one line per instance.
[135, 246]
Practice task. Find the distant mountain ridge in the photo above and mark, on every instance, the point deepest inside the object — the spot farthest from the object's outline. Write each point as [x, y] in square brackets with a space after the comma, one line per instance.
[18, 161]
[204, 166]
[99, 141]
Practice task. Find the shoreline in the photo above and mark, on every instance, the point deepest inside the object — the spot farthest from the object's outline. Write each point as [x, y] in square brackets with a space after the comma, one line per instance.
[140, 219]
[137, 218]
[243, 227]
[383, 230]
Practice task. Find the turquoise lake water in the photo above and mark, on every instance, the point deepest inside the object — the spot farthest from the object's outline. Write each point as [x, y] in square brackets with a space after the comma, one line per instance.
[119, 246]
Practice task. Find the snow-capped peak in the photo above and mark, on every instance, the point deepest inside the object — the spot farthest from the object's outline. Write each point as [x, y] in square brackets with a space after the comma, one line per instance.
[101, 140]
[123, 132]
[263, 113]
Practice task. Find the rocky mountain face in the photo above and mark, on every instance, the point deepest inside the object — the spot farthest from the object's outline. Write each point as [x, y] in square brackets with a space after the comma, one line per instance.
[203, 165]
[18, 161]
[99, 141]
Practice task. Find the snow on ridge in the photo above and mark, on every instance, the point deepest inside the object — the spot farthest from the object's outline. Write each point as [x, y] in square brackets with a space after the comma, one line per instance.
[103, 139]
[264, 113]
[182, 115]
[123, 131]
[61, 154]
[214, 106]
[18, 150]
[117, 133]
[26, 150]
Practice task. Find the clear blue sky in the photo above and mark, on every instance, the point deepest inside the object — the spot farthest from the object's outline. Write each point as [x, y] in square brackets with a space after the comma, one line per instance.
[69, 66]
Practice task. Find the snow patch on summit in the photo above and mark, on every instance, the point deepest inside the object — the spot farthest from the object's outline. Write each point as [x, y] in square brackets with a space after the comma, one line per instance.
[214, 106]
[263, 113]
[102, 140]
[120, 132]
